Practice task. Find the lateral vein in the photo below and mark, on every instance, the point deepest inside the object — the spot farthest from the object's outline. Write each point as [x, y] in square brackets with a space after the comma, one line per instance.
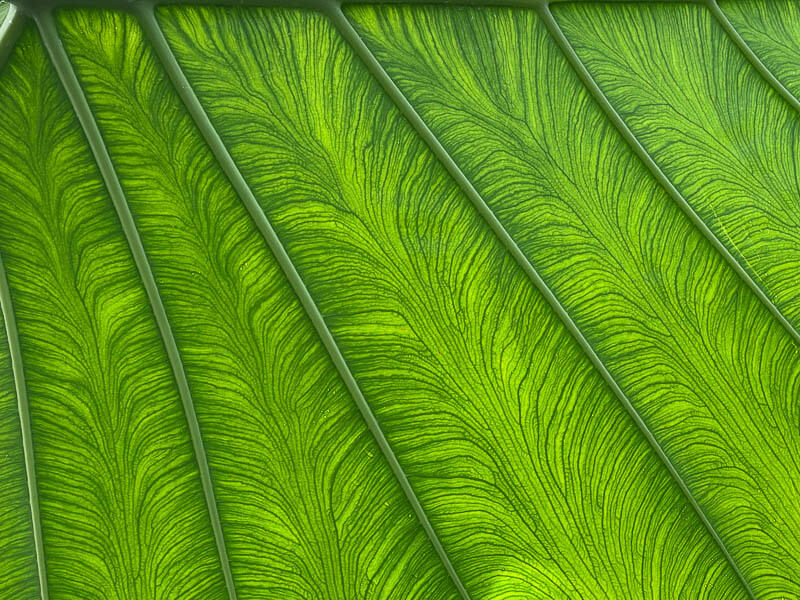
[80, 105]
[145, 13]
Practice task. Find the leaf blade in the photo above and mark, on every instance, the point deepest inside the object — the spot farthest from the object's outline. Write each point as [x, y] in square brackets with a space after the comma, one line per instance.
[269, 382]
[534, 477]
[391, 336]
[625, 262]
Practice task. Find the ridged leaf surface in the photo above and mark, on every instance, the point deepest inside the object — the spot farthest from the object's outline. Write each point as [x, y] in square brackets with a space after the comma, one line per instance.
[121, 505]
[653, 297]
[385, 301]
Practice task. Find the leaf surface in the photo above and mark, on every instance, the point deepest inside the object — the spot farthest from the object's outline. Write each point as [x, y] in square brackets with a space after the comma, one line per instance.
[299, 480]
[399, 301]
[651, 294]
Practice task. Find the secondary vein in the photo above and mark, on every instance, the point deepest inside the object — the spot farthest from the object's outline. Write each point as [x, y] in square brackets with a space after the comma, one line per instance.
[80, 105]
[194, 107]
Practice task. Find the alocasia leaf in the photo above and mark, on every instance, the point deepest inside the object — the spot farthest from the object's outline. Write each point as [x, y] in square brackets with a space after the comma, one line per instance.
[769, 30]
[399, 301]
[716, 128]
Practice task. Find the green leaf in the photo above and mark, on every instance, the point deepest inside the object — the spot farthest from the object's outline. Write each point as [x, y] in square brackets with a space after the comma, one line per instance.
[120, 500]
[718, 131]
[385, 301]
[772, 30]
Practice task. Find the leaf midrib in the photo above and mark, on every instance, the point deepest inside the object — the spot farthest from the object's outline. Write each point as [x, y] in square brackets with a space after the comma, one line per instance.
[144, 10]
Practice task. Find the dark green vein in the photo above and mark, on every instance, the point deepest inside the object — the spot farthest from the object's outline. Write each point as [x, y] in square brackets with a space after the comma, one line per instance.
[150, 26]
[665, 182]
[10, 320]
[751, 56]
[60, 60]
[352, 36]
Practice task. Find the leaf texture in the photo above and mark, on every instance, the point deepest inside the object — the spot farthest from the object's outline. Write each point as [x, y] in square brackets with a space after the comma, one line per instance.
[121, 504]
[299, 479]
[452, 345]
[650, 293]
[385, 301]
